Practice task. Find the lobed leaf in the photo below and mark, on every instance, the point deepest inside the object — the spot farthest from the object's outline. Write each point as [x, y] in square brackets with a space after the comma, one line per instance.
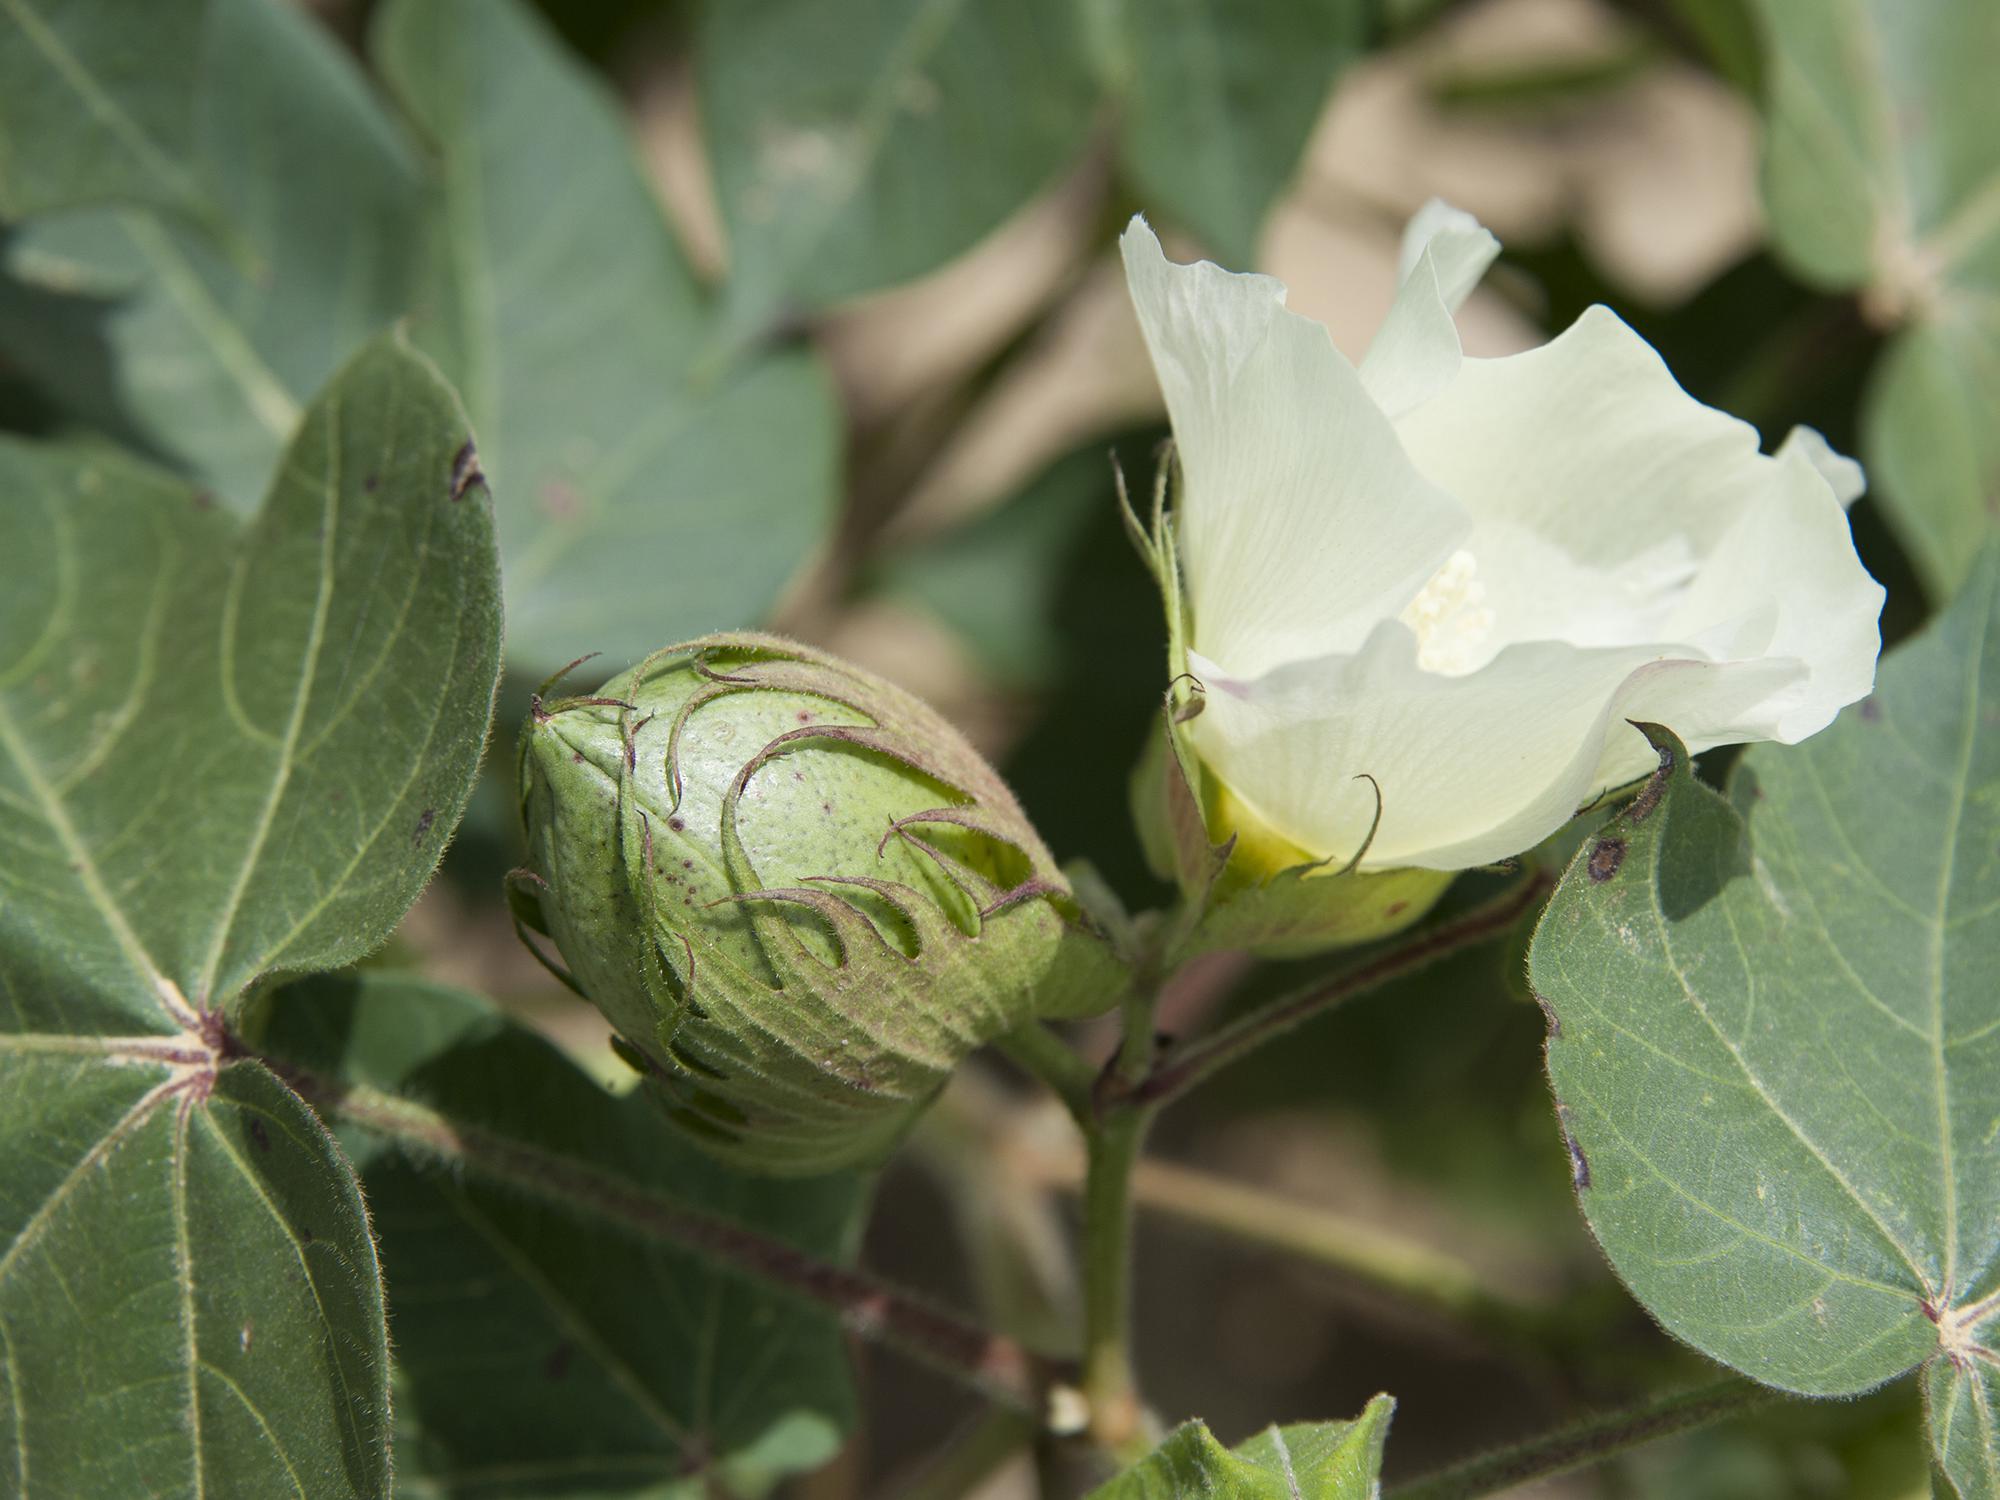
[223, 751]
[558, 302]
[543, 1347]
[1775, 1040]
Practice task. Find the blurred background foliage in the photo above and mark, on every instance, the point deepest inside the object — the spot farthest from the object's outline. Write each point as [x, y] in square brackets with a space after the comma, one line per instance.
[839, 345]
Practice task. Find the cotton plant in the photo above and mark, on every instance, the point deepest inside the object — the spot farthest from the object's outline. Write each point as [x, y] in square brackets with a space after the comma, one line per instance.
[1442, 639]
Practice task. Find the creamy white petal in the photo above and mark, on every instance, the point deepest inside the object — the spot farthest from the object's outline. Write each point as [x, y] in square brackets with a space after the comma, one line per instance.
[1595, 483]
[1301, 520]
[1847, 478]
[1784, 581]
[1472, 769]
[1416, 351]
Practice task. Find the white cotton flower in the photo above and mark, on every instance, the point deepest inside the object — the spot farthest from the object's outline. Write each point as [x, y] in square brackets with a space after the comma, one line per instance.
[1462, 577]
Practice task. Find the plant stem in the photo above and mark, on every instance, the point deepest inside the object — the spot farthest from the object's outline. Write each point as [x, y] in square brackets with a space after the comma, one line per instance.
[996, 1366]
[970, 1457]
[1591, 1441]
[1195, 1063]
[1117, 1419]
[1394, 1262]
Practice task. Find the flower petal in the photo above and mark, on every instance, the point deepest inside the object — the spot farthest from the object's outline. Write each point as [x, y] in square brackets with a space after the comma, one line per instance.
[1596, 485]
[1784, 581]
[1301, 520]
[1416, 352]
[1472, 769]
[1836, 468]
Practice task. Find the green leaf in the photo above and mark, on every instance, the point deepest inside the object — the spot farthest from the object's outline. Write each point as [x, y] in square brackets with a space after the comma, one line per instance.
[1962, 1406]
[99, 102]
[1775, 1037]
[1305, 1461]
[637, 506]
[218, 339]
[1882, 173]
[860, 145]
[189, 1298]
[223, 751]
[231, 752]
[1217, 100]
[542, 1348]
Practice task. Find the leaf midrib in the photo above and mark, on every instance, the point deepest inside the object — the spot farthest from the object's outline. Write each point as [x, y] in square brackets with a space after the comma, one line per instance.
[225, 920]
[1947, 869]
[1763, 1092]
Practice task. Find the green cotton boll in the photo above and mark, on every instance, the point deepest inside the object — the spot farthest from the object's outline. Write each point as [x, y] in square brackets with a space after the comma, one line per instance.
[797, 893]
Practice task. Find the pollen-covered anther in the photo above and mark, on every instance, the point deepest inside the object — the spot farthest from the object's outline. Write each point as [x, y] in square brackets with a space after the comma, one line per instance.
[1452, 619]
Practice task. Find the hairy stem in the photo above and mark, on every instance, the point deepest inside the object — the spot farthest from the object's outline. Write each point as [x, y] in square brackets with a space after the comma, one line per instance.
[1195, 1063]
[970, 1457]
[990, 1363]
[1384, 1258]
[1117, 1417]
[1590, 1441]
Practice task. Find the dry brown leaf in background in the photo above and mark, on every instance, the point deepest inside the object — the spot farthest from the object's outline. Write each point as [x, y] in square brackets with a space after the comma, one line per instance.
[1083, 375]
[675, 154]
[895, 347]
[1341, 269]
[1657, 170]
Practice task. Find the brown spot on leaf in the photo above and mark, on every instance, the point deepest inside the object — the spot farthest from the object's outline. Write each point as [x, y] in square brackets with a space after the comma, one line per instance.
[465, 470]
[1395, 908]
[676, 824]
[1655, 787]
[372, 483]
[1579, 1164]
[1606, 855]
[424, 822]
[1549, 1016]
[556, 1366]
[259, 1136]
[1870, 711]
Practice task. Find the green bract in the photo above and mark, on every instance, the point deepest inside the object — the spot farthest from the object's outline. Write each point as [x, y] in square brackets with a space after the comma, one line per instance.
[795, 891]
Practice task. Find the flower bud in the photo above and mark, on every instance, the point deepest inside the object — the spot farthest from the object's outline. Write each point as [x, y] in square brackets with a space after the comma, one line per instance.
[1243, 884]
[798, 894]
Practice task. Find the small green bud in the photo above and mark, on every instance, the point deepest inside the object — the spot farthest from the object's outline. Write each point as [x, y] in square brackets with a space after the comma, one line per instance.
[800, 897]
[1243, 884]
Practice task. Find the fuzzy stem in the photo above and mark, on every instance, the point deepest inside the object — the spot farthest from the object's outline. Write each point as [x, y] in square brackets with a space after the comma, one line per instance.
[1117, 1417]
[971, 1457]
[1590, 1441]
[1195, 1063]
[1394, 1262]
[996, 1366]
